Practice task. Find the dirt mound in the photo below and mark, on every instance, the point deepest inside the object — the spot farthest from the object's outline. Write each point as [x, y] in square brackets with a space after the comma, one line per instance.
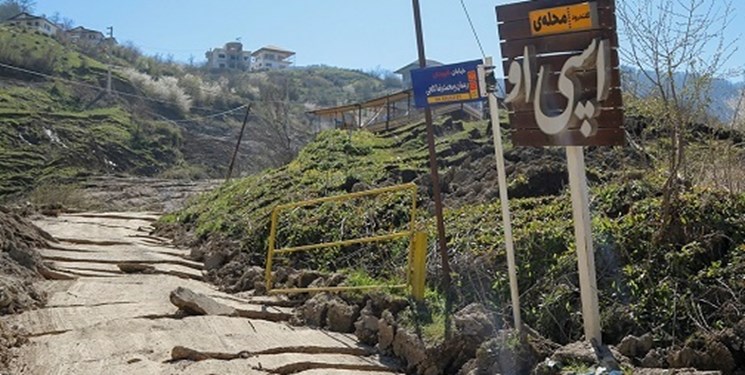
[19, 262]
[19, 267]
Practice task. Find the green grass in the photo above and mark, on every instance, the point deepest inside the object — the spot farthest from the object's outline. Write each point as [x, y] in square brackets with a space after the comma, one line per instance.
[48, 146]
[638, 277]
[47, 132]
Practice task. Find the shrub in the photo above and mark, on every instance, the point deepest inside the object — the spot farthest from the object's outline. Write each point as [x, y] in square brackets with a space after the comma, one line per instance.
[165, 88]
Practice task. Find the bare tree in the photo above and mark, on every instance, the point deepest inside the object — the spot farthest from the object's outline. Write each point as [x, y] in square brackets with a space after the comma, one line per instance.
[678, 46]
[10, 8]
[64, 23]
[279, 127]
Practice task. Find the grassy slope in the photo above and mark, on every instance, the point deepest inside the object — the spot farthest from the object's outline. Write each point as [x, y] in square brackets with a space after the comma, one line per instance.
[51, 130]
[641, 277]
[47, 131]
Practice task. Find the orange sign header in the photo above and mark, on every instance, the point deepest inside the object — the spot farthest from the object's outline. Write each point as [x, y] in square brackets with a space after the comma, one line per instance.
[562, 19]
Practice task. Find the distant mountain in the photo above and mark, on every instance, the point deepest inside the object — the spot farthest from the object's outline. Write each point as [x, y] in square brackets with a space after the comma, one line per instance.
[722, 96]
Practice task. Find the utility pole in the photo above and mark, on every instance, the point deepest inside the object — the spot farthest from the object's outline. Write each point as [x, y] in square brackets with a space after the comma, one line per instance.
[442, 242]
[237, 145]
[108, 58]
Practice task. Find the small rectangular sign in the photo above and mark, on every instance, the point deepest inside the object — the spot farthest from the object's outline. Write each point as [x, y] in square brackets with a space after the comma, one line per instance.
[549, 43]
[454, 83]
[562, 19]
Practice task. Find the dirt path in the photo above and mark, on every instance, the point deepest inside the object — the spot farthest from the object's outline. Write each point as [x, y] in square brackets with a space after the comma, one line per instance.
[114, 193]
[103, 321]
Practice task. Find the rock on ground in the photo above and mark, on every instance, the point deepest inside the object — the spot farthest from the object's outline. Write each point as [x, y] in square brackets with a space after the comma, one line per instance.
[198, 304]
[633, 347]
[340, 316]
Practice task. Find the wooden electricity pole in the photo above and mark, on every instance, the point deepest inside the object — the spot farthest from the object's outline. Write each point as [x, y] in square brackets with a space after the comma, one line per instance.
[442, 242]
[108, 58]
[237, 145]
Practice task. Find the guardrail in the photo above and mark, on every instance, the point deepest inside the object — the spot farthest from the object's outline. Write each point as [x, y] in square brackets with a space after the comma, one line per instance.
[415, 275]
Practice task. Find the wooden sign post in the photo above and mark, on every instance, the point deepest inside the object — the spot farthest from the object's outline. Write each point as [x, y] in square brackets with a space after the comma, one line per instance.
[563, 84]
[503, 198]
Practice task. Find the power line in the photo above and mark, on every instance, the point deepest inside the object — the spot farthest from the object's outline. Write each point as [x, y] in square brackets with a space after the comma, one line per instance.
[88, 85]
[83, 84]
[478, 42]
[473, 29]
[211, 116]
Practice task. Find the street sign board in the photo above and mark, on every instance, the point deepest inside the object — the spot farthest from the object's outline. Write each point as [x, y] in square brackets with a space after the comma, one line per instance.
[560, 58]
[558, 20]
[446, 84]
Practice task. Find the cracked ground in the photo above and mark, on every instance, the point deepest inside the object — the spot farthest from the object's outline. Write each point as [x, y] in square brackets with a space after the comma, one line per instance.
[101, 320]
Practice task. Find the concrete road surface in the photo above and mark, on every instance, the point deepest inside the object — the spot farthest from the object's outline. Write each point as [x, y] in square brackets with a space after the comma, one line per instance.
[102, 321]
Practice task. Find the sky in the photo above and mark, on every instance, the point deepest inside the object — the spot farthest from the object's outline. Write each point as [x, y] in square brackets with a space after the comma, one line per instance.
[356, 34]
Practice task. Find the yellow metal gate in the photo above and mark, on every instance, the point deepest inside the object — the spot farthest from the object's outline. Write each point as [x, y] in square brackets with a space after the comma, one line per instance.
[416, 270]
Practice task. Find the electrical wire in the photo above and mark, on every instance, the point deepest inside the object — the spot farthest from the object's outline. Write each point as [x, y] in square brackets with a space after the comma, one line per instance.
[88, 85]
[481, 47]
[473, 28]
[212, 115]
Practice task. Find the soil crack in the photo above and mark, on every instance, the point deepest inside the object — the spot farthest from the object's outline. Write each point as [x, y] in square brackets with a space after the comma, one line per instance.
[81, 241]
[294, 368]
[179, 353]
[114, 216]
[110, 261]
[49, 333]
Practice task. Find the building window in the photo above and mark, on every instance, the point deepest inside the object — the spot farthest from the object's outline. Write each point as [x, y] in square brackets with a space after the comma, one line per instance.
[222, 65]
[222, 56]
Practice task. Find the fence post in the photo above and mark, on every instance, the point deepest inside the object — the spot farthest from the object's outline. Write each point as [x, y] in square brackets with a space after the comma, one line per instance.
[420, 269]
[270, 253]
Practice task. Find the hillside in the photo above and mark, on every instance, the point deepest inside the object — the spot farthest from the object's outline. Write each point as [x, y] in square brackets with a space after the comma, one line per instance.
[57, 122]
[642, 278]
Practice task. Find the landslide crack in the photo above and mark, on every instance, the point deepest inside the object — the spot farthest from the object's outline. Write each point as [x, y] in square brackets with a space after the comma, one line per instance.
[110, 261]
[294, 368]
[272, 316]
[91, 305]
[271, 303]
[59, 248]
[49, 333]
[82, 241]
[112, 216]
[179, 353]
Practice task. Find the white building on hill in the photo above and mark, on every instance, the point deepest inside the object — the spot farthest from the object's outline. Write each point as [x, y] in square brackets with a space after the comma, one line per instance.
[231, 56]
[32, 22]
[271, 57]
[85, 36]
[405, 72]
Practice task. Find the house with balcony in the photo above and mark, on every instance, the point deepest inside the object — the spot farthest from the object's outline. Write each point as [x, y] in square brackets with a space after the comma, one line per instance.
[230, 56]
[36, 23]
[81, 35]
[405, 72]
[271, 57]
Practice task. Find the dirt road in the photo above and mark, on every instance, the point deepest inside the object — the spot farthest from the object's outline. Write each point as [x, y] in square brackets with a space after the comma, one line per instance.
[104, 321]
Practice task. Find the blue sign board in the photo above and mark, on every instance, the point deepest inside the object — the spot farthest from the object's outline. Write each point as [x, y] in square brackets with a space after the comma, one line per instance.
[454, 83]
